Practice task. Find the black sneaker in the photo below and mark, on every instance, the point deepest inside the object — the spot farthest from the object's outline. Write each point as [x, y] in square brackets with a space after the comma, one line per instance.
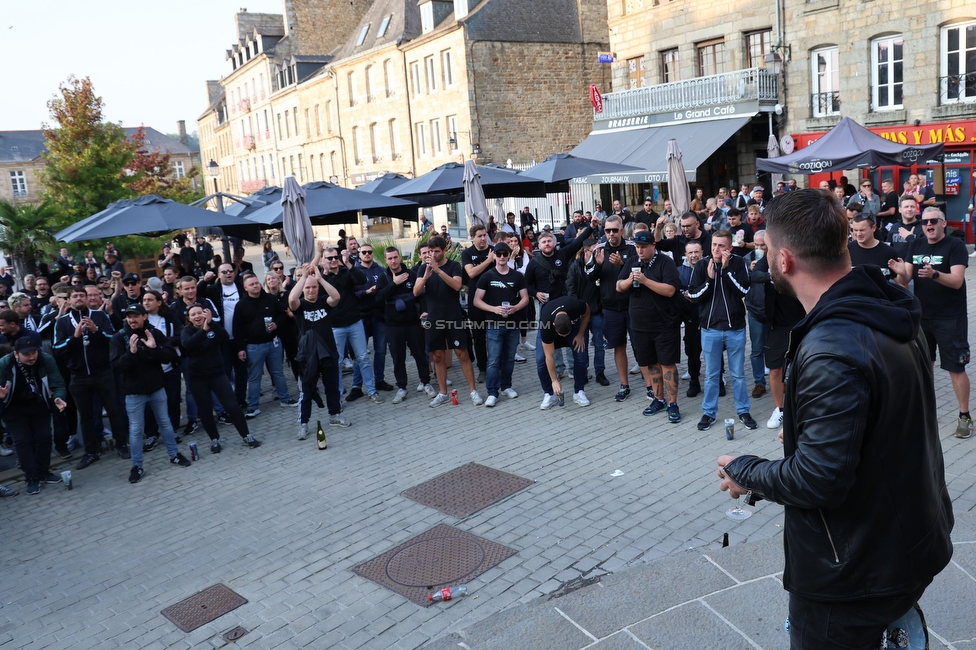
[602, 379]
[150, 443]
[252, 413]
[215, 447]
[223, 419]
[135, 474]
[706, 423]
[87, 460]
[252, 442]
[747, 420]
[649, 390]
[382, 385]
[123, 451]
[674, 415]
[180, 459]
[694, 388]
[622, 393]
[191, 426]
[33, 487]
[656, 407]
[51, 479]
[354, 393]
[63, 452]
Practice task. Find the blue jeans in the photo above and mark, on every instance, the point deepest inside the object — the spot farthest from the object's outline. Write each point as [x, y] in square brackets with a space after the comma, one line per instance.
[378, 329]
[257, 354]
[595, 329]
[502, 344]
[355, 336]
[735, 342]
[580, 360]
[757, 338]
[135, 406]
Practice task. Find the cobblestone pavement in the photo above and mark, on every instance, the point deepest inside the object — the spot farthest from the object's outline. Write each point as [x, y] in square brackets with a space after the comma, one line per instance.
[283, 524]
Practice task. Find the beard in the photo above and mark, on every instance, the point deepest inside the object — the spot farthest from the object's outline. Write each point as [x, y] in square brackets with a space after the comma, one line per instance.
[780, 283]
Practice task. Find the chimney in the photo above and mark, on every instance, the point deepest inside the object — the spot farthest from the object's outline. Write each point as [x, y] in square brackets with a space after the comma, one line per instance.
[181, 129]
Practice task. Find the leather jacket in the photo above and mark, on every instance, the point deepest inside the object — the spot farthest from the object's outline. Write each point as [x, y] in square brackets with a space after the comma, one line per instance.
[868, 513]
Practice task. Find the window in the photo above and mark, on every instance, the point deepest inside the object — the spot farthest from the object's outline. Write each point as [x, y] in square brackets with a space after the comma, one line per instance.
[886, 73]
[356, 148]
[264, 171]
[318, 120]
[332, 164]
[291, 165]
[711, 57]
[362, 34]
[395, 139]
[415, 78]
[452, 133]
[294, 118]
[436, 138]
[431, 70]
[308, 122]
[384, 26]
[427, 17]
[287, 126]
[369, 83]
[635, 72]
[669, 65]
[826, 82]
[460, 9]
[958, 83]
[421, 140]
[301, 169]
[178, 171]
[757, 47]
[18, 183]
[388, 77]
[374, 143]
[447, 71]
[351, 79]
[328, 115]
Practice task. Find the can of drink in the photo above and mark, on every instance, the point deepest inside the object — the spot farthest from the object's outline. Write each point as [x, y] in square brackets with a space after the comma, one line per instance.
[267, 323]
[729, 428]
[66, 479]
[194, 454]
[560, 399]
[454, 396]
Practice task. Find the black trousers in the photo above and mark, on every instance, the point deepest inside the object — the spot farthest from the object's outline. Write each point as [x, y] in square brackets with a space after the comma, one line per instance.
[236, 371]
[401, 337]
[31, 430]
[333, 393]
[201, 388]
[693, 348]
[84, 388]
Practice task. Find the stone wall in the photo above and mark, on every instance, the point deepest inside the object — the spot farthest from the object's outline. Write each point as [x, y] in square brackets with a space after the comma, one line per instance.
[31, 169]
[321, 26]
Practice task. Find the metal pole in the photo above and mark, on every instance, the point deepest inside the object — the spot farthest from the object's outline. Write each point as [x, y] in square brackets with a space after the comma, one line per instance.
[223, 238]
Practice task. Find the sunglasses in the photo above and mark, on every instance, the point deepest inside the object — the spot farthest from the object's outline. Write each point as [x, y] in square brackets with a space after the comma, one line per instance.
[611, 230]
[227, 271]
[502, 254]
[277, 268]
[332, 258]
[130, 283]
[362, 252]
[931, 222]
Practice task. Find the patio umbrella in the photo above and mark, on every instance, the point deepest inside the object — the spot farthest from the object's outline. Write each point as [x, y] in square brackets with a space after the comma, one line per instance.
[388, 182]
[474, 196]
[448, 179]
[564, 167]
[295, 225]
[145, 215]
[772, 151]
[329, 204]
[257, 200]
[678, 190]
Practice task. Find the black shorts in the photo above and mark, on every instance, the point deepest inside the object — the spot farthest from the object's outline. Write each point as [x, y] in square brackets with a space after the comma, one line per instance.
[658, 347]
[615, 327]
[445, 335]
[951, 336]
[777, 342]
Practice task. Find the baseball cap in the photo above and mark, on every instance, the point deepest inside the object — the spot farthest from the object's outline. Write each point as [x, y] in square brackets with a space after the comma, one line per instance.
[25, 344]
[502, 247]
[134, 309]
[757, 188]
[130, 276]
[643, 237]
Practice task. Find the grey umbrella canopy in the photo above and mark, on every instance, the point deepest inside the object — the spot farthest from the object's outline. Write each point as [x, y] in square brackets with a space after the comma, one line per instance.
[565, 166]
[329, 204]
[145, 215]
[257, 200]
[295, 224]
[678, 190]
[389, 182]
[448, 179]
[474, 196]
[848, 146]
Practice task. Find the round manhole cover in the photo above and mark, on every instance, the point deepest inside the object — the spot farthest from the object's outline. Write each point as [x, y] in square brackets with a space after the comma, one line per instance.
[437, 561]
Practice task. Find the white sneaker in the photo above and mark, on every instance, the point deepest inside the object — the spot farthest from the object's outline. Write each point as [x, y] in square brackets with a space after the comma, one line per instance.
[430, 390]
[476, 398]
[449, 382]
[440, 400]
[519, 358]
[635, 369]
[686, 375]
[401, 395]
[510, 393]
[491, 401]
[580, 398]
[776, 419]
[421, 388]
[303, 431]
[527, 346]
[548, 402]
[6, 451]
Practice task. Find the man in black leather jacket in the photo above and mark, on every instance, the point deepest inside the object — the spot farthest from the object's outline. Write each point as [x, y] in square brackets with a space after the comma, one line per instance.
[868, 515]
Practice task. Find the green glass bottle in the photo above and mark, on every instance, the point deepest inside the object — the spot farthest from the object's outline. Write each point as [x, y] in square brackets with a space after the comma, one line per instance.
[320, 436]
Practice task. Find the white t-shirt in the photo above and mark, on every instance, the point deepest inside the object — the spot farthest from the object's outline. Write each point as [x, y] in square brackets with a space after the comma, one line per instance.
[230, 296]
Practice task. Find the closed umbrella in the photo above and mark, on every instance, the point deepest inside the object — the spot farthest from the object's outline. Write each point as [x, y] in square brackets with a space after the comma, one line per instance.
[474, 196]
[295, 224]
[772, 151]
[678, 190]
[499, 212]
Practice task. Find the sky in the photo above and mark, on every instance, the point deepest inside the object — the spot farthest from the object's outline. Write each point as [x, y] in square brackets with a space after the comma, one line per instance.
[148, 61]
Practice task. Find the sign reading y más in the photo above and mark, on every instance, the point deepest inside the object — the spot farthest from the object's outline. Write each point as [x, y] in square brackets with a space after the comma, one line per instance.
[948, 133]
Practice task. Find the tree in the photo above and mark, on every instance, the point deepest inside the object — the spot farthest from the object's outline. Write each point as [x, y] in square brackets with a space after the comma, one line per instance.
[25, 234]
[152, 173]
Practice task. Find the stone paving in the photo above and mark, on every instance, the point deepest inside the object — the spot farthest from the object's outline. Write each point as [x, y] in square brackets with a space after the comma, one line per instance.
[283, 525]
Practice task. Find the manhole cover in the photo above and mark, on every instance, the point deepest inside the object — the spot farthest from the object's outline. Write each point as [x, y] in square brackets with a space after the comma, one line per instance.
[234, 634]
[441, 557]
[466, 490]
[203, 607]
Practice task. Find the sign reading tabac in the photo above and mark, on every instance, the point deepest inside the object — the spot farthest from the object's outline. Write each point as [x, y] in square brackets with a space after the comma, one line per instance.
[948, 133]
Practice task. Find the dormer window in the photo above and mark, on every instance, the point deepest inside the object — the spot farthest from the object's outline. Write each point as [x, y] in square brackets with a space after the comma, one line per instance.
[362, 35]
[460, 9]
[427, 17]
[384, 26]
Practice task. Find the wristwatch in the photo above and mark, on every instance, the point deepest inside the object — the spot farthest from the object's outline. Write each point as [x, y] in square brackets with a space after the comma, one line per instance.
[935, 275]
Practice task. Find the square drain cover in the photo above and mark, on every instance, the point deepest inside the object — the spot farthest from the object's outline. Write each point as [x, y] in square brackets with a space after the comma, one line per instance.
[441, 557]
[466, 490]
[203, 607]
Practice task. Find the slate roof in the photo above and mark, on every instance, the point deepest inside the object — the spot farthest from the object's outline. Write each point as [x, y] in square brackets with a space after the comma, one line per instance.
[24, 146]
[538, 21]
[404, 25]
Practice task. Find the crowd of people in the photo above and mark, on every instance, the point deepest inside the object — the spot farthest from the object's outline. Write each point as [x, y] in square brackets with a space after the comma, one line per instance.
[171, 354]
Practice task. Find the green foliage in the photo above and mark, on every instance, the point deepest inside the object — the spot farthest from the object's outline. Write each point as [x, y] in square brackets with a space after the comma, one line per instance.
[25, 233]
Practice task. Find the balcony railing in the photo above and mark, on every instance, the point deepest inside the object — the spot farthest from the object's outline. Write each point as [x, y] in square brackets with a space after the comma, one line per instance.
[727, 88]
[825, 104]
[958, 88]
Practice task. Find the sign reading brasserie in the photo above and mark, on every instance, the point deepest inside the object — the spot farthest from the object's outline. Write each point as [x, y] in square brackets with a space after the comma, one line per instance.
[697, 114]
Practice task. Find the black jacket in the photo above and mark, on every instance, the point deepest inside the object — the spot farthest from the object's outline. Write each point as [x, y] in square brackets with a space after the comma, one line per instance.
[579, 285]
[79, 358]
[142, 372]
[720, 298]
[868, 513]
[249, 315]
[347, 311]
[548, 274]
[400, 307]
[202, 347]
[607, 274]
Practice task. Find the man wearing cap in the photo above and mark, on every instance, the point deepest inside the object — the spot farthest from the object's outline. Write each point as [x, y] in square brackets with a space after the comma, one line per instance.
[652, 281]
[501, 294]
[757, 196]
[647, 215]
[82, 337]
[30, 386]
[138, 352]
[131, 295]
[202, 255]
